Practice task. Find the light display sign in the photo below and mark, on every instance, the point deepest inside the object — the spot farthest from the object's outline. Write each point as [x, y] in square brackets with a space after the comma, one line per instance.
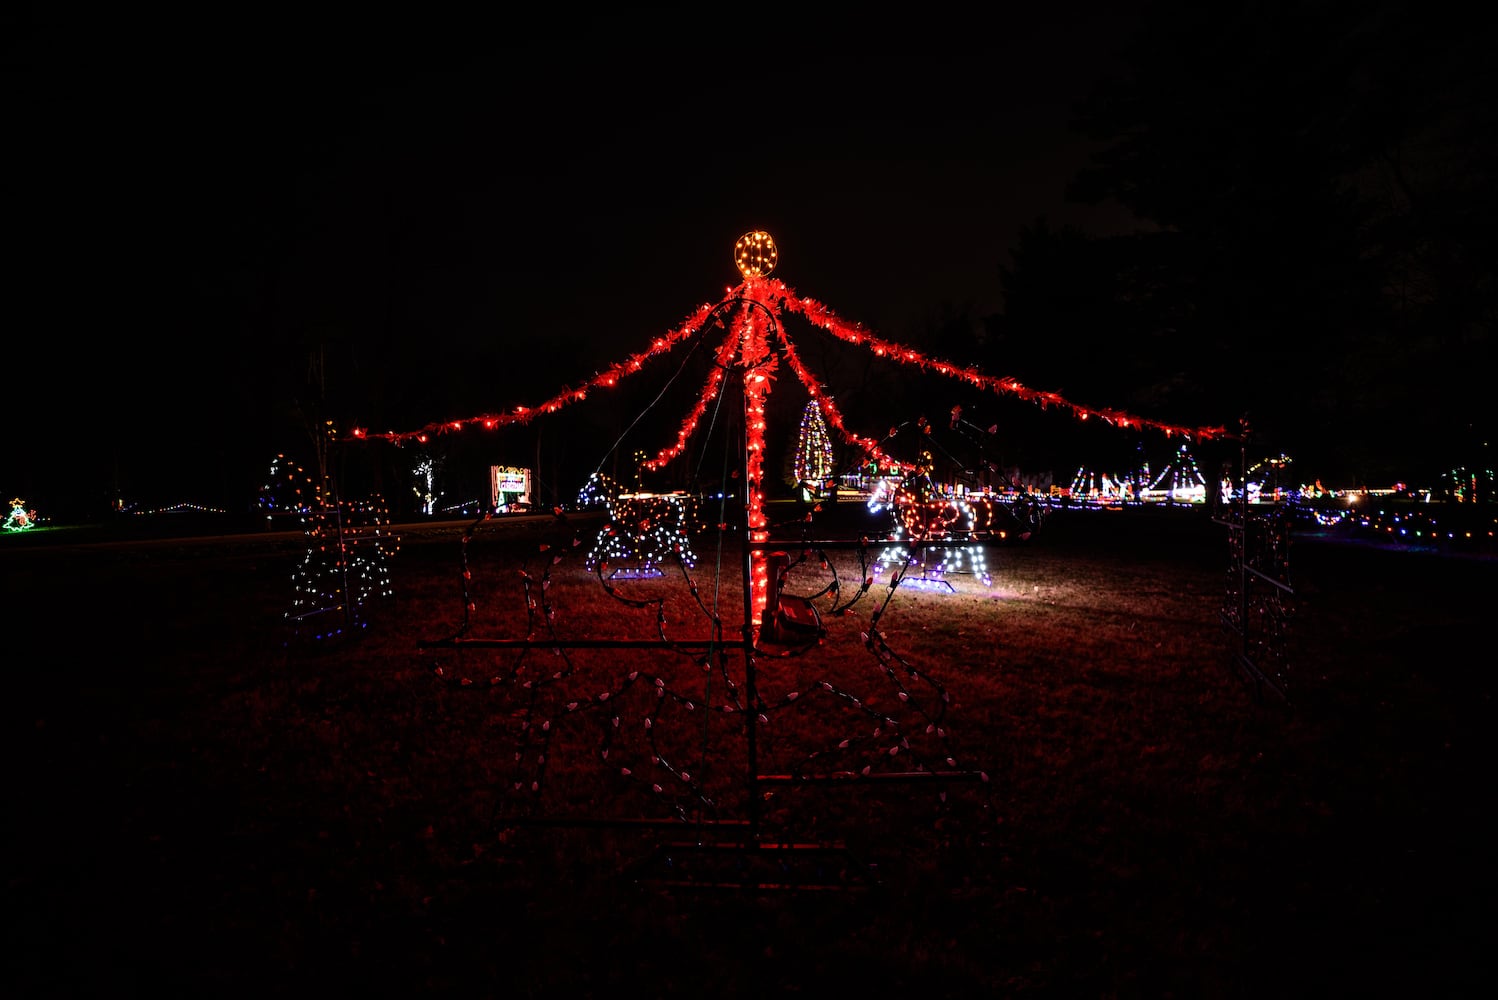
[509, 485]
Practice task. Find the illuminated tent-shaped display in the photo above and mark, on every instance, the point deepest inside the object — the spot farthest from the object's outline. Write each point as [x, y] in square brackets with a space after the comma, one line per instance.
[753, 348]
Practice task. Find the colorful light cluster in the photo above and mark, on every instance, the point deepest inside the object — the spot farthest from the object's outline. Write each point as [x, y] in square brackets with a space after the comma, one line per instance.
[813, 466]
[1180, 481]
[347, 563]
[347, 560]
[19, 518]
[288, 491]
[643, 532]
[1471, 485]
[1099, 487]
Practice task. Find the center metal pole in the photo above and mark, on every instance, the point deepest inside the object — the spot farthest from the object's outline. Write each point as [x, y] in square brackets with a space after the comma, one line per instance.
[751, 692]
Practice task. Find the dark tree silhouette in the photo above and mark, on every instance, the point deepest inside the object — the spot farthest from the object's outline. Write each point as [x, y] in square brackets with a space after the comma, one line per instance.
[1322, 238]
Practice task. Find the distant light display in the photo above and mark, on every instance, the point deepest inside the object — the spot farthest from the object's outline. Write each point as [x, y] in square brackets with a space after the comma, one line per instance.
[19, 518]
[1180, 481]
[1099, 487]
[508, 485]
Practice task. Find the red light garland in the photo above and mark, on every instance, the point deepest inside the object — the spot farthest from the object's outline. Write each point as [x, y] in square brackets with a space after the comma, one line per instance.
[775, 295]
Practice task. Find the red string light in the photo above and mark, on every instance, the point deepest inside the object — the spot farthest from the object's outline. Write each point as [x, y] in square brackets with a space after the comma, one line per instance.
[774, 295]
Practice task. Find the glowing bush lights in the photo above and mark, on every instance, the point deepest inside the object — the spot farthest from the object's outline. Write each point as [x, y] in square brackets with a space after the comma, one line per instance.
[1458, 519]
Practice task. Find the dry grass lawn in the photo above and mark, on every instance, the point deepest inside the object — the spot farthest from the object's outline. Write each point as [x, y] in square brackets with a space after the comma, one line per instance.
[1057, 785]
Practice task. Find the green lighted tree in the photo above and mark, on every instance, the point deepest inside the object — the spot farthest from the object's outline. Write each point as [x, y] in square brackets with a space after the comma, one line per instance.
[813, 466]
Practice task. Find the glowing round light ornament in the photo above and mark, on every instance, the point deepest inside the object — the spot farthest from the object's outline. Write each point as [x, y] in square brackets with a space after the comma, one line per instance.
[755, 254]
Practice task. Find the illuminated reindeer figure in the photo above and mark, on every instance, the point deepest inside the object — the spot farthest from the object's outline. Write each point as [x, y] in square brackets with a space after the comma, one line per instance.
[643, 531]
[938, 535]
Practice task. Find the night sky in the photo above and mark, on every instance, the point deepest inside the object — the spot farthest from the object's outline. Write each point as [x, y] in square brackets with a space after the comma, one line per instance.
[456, 214]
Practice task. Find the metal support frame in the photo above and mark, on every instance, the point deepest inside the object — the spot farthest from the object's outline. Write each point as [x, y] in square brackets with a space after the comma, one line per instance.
[1258, 601]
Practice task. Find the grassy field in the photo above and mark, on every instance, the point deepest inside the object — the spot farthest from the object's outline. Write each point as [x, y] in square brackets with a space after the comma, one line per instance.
[1057, 785]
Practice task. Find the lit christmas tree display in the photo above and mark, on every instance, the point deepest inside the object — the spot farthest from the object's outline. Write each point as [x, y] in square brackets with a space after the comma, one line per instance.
[19, 518]
[813, 466]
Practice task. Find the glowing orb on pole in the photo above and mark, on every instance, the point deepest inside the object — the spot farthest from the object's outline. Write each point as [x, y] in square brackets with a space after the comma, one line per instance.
[755, 254]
